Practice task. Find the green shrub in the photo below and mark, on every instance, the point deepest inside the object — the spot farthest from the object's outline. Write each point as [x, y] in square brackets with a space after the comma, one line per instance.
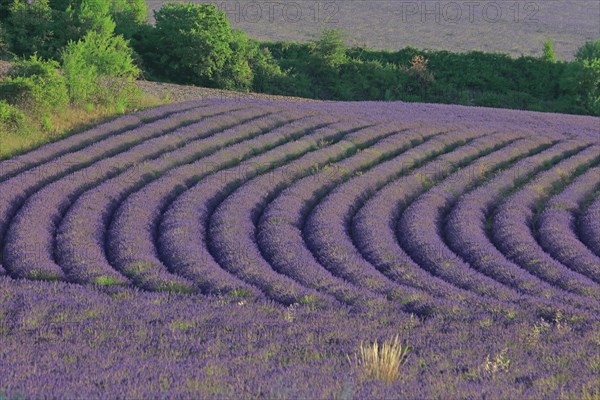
[11, 118]
[549, 55]
[81, 77]
[325, 69]
[19, 92]
[419, 76]
[35, 66]
[35, 85]
[192, 43]
[100, 69]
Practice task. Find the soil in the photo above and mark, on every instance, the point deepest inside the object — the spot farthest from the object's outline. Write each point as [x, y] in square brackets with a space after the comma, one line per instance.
[179, 93]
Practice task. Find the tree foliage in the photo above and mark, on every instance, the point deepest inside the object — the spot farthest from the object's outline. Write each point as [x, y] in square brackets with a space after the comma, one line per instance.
[330, 48]
[192, 42]
[30, 28]
[5, 9]
[100, 69]
[46, 27]
[587, 75]
[34, 90]
[549, 55]
[4, 47]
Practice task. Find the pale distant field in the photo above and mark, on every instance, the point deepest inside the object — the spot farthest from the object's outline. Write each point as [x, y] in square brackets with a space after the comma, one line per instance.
[513, 27]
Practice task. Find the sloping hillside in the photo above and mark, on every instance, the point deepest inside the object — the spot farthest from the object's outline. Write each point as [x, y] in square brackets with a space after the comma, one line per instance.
[244, 248]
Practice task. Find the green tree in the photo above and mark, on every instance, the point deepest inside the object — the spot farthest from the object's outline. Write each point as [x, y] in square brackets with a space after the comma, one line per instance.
[45, 27]
[74, 19]
[581, 79]
[130, 16]
[237, 72]
[588, 57]
[135, 10]
[63, 5]
[549, 55]
[4, 47]
[589, 51]
[100, 68]
[327, 60]
[94, 15]
[5, 9]
[331, 48]
[30, 28]
[268, 76]
[127, 14]
[192, 43]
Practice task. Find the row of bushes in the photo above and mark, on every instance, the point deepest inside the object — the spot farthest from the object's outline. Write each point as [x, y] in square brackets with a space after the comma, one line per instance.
[327, 69]
[194, 44]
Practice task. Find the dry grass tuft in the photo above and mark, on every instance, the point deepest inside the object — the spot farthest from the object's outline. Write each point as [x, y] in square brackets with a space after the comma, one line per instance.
[381, 361]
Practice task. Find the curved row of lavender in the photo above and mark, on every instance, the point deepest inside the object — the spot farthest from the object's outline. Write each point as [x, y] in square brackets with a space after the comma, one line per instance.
[467, 225]
[16, 190]
[439, 213]
[79, 239]
[590, 226]
[279, 233]
[35, 223]
[513, 221]
[373, 227]
[121, 209]
[557, 225]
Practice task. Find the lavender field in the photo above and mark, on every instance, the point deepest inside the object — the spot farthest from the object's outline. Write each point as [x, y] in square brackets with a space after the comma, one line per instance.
[516, 27]
[243, 248]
